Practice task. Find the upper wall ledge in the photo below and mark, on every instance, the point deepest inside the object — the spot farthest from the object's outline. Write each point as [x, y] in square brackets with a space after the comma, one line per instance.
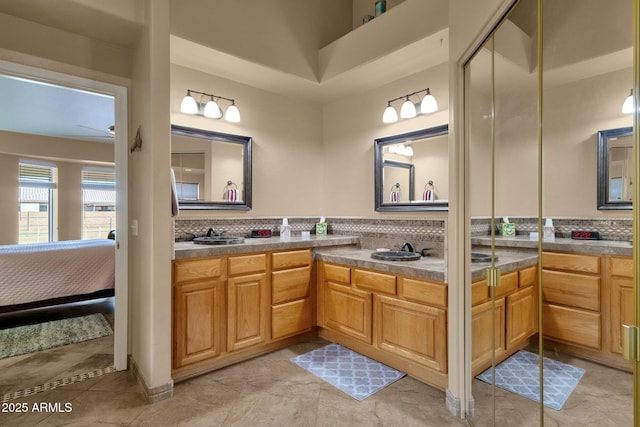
[410, 22]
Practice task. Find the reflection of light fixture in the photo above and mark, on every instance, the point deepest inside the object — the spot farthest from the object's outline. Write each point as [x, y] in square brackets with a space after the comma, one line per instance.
[408, 109]
[211, 108]
[401, 149]
[627, 106]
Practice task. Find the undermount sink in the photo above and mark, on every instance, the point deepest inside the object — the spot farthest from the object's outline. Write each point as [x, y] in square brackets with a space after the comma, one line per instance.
[480, 257]
[396, 256]
[218, 240]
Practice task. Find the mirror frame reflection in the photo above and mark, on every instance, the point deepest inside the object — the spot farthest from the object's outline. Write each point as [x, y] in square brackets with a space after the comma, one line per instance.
[246, 141]
[604, 199]
[379, 163]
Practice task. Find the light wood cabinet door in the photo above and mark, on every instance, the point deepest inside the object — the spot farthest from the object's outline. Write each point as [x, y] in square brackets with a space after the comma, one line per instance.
[348, 311]
[621, 310]
[248, 303]
[198, 321]
[522, 316]
[413, 331]
[481, 347]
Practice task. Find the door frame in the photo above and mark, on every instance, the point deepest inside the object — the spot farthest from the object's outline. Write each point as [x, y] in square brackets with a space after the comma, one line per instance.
[121, 158]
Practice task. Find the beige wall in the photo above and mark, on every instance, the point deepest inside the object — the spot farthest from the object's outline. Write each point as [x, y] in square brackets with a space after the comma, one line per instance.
[151, 250]
[69, 208]
[351, 125]
[280, 34]
[287, 143]
[9, 194]
[46, 43]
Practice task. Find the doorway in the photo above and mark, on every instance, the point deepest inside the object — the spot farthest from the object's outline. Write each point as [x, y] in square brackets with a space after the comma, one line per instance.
[118, 133]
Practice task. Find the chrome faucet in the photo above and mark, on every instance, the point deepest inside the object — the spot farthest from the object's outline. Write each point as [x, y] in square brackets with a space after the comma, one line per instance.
[406, 247]
[213, 232]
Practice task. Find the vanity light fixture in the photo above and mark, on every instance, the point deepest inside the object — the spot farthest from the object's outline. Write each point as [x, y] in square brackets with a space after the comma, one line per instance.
[627, 106]
[211, 108]
[408, 109]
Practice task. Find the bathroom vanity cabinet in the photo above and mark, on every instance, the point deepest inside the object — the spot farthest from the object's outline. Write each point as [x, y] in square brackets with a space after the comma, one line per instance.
[229, 308]
[398, 320]
[586, 300]
[515, 319]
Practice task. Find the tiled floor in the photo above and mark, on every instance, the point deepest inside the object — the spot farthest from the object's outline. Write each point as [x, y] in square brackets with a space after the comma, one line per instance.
[272, 391]
[266, 391]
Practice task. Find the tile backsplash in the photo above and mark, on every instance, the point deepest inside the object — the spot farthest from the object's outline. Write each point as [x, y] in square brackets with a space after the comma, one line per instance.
[373, 232]
[609, 229]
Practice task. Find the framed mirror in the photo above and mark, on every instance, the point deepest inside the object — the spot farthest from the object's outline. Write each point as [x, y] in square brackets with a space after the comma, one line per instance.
[212, 169]
[615, 168]
[411, 171]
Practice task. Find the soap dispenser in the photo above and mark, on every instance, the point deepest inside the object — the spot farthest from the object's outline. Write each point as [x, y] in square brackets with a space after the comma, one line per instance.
[285, 230]
[549, 234]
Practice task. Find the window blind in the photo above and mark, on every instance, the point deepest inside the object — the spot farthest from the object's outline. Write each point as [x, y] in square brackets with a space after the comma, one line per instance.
[37, 176]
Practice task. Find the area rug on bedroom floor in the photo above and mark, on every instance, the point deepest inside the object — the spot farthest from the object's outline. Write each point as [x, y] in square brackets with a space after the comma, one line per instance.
[42, 336]
[520, 374]
[353, 373]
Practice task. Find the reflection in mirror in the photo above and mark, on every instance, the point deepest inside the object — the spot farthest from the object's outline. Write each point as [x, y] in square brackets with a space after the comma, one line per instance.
[615, 168]
[212, 169]
[411, 171]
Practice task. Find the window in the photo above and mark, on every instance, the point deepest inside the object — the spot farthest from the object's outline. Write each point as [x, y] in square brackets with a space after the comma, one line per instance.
[36, 204]
[98, 202]
[188, 190]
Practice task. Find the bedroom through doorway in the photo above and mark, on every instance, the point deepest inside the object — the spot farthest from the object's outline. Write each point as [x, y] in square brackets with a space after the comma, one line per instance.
[63, 141]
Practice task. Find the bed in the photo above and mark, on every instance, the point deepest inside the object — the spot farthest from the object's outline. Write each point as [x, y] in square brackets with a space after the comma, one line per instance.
[42, 274]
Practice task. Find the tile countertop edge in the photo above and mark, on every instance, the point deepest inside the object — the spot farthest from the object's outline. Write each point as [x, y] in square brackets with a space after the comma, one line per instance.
[191, 250]
[428, 268]
[604, 247]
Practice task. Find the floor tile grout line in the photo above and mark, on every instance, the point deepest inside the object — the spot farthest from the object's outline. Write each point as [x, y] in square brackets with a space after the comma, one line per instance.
[57, 383]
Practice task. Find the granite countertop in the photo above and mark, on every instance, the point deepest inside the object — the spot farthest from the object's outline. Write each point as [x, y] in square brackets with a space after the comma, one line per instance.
[192, 250]
[430, 268]
[604, 247]
[513, 253]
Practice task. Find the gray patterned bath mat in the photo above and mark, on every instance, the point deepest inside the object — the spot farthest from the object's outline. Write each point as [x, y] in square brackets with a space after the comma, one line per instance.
[353, 373]
[42, 336]
[520, 374]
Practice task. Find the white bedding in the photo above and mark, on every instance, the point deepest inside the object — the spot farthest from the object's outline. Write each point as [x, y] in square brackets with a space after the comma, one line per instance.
[42, 271]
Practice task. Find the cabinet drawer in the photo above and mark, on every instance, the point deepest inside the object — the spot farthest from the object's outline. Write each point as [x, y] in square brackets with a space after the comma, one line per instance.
[508, 283]
[570, 289]
[291, 318]
[290, 259]
[289, 285]
[527, 276]
[185, 270]
[247, 264]
[479, 292]
[571, 262]
[376, 282]
[622, 267]
[337, 273]
[571, 325]
[423, 292]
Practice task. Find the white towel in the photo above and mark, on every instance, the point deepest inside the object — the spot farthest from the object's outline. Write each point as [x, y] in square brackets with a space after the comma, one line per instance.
[174, 195]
